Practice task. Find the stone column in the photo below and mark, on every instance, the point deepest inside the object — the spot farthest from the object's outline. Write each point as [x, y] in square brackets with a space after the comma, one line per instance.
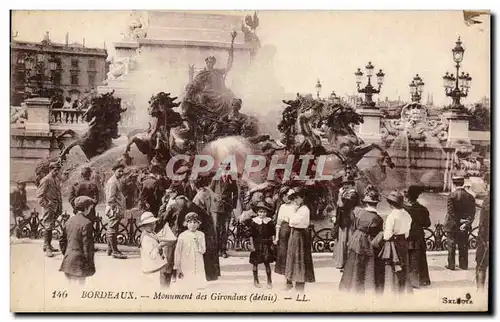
[38, 115]
[458, 140]
[458, 128]
[369, 130]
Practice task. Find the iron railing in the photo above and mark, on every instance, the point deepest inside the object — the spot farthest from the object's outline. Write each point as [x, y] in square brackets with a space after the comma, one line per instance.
[239, 234]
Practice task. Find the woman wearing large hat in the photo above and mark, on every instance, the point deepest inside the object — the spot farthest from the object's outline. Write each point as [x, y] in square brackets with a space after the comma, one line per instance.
[348, 199]
[395, 251]
[418, 270]
[299, 264]
[364, 272]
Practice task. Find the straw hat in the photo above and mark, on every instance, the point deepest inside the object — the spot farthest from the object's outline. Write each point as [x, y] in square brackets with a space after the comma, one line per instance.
[147, 218]
[396, 198]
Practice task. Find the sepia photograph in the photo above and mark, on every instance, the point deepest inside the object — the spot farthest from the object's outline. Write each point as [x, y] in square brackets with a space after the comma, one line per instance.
[250, 161]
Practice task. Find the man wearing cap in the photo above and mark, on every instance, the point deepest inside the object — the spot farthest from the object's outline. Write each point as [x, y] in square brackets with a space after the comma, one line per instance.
[18, 204]
[77, 242]
[84, 187]
[115, 209]
[458, 221]
[49, 197]
[226, 191]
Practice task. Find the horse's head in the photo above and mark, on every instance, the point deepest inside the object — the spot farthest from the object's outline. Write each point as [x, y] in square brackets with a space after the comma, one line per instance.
[160, 103]
[343, 118]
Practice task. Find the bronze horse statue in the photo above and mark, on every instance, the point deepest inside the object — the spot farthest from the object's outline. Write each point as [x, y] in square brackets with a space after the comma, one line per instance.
[103, 116]
[155, 141]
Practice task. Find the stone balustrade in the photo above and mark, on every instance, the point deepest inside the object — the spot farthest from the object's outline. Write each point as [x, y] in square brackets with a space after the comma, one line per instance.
[60, 116]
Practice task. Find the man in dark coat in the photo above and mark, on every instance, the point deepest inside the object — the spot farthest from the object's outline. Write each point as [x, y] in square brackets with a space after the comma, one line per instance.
[84, 187]
[49, 197]
[174, 215]
[18, 204]
[458, 222]
[152, 190]
[483, 243]
[77, 242]
[226, 190]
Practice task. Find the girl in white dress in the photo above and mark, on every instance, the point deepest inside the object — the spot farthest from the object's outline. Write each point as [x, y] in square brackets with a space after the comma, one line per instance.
[188, 257]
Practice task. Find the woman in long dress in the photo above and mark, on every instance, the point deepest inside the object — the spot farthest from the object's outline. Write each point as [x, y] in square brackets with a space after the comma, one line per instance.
[364, 271]
[299, 263]
[418, 268]
[348, 200]
[283, 233]
[395, 251]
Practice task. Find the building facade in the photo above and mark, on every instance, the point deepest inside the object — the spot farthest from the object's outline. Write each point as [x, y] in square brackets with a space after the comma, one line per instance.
[50, 69]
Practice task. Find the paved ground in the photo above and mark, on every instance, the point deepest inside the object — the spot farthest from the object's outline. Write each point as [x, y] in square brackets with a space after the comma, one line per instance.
[34, 278]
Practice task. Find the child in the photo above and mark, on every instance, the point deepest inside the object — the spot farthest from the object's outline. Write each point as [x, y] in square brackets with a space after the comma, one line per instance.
[188, 257]
[151, 257]
[262, 230]
[77, 242]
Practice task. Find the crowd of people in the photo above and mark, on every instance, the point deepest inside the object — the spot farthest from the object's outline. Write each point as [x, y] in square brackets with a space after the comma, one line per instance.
[185, 230]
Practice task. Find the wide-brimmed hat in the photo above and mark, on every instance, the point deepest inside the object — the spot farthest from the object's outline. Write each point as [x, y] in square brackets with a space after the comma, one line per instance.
[396, 198]
[458, 176]
[298, 192]
[54, 165]
[371, 195]
[147, 218]
[192, 216]
[262, 205]
[414, 191]
[284, 190]
[84, 202]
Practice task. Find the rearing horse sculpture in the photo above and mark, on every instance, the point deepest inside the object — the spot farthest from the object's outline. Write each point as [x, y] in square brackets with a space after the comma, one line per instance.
[301, 138]
[154, 142]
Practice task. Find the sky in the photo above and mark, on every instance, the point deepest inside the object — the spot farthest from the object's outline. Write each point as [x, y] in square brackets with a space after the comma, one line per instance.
[325, 45]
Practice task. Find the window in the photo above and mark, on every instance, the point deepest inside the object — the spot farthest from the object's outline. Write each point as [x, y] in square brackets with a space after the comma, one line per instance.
[74, 79]
[57, 79]
[91, 64]
[91, 80]
[74, 63]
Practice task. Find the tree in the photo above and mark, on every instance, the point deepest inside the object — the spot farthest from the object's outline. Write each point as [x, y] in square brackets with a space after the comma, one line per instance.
[480, 118]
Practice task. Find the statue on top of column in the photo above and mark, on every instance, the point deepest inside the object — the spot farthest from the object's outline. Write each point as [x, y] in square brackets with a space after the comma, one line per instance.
[208, 89]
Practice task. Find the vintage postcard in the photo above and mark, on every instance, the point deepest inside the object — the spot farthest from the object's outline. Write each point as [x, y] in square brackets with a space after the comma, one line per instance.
[250, 161]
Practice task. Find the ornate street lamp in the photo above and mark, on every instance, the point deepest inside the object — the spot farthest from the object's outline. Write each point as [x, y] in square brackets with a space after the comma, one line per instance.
[416, 88]
[318, 88]
[457, 86]
[369, 90]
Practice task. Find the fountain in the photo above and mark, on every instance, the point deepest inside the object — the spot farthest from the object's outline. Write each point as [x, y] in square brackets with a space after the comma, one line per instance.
[416, 145]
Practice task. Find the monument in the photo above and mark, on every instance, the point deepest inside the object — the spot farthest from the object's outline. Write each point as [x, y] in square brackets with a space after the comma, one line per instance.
[161, 51]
